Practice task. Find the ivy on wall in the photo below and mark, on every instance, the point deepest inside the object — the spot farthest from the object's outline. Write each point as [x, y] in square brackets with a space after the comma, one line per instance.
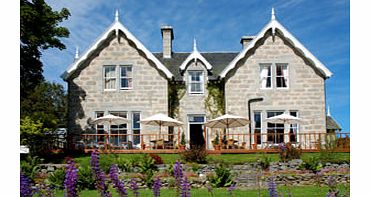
[175, 92]
[215, 100]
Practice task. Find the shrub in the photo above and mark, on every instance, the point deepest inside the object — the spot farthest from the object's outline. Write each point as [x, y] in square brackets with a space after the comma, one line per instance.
[157, 159]
[288, 152]
[312, 164]
[29, 166]
[56, 178]
[125, 165]
[196, 154]
[222, 177]
[183, 142]
[264, 162]
[85, 178]
[147, 168]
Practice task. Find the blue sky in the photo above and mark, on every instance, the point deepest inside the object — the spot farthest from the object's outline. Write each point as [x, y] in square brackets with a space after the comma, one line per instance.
[323, 27]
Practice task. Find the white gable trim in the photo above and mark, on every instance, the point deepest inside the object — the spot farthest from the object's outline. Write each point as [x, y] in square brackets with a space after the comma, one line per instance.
[195, 55]
[116, 26]
[274, 24]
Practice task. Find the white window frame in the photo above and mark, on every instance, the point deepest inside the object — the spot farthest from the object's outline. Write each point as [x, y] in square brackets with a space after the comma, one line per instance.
[125, 77]
[105, 78]
[284, 76]
[266, 77]
[125, 128]
[201, 81]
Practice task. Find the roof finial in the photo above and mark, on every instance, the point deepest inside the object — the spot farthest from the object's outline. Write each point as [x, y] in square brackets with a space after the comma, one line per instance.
[273, 14]
[116, 18]
[328, 111]
[76, 53]
[195, 45]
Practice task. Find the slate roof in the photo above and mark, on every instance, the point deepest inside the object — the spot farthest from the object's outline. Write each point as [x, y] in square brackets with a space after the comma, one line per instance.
[331, 124]
[219, 60]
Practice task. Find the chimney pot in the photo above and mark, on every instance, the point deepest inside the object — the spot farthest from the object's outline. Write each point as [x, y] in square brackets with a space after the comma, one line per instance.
[167, 37]
[245, 40]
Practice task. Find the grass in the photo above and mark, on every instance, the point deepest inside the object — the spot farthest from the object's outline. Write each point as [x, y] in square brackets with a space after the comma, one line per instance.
[303, 191]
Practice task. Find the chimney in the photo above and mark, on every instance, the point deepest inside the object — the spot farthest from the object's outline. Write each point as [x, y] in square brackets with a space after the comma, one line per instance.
[167, 37]
[245, 40]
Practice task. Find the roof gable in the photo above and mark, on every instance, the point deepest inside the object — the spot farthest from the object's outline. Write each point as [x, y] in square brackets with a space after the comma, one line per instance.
[275, 25]
[116, 27]
[195, 55]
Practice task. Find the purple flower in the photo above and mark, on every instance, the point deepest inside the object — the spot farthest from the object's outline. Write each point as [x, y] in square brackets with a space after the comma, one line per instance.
[333, 191]
[70, 181]
[134, 187]
[178, 174]
[26, 189]
[157, 187]
[231, 189]
[120, 187]
[185, 188]
[272, 188]
[99, 175]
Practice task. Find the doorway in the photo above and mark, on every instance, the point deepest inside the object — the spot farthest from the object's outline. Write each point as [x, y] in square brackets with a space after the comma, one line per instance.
[196, 126]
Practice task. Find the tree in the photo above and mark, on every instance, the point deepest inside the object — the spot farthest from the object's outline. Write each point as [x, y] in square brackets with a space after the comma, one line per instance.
[47, 104]
[39, 31]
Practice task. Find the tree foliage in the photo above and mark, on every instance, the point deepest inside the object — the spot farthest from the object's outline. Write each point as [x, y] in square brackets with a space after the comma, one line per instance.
[39, 31]
[47, 104]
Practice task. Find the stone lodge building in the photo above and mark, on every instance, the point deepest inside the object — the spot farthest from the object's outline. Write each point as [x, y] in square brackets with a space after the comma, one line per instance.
[272, 74]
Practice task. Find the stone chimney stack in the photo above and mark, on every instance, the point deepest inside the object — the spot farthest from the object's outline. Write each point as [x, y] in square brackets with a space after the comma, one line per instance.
[245, 40]
[167, 37]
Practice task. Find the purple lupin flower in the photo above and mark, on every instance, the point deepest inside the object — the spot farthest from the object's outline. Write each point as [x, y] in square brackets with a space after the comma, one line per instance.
[70, 181]
[26, 190]
[120, 187]
[134, 187]
[332, 187]
[99, 175]
[231, 189]
[272, 188]
[185, 188]
[157, 187]
[178, 174]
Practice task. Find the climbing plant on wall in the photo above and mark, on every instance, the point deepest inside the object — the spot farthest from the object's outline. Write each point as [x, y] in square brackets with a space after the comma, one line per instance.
[175, 92]
[215, 100]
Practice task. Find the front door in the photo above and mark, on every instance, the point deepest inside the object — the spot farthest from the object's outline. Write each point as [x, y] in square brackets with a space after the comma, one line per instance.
[196, 125]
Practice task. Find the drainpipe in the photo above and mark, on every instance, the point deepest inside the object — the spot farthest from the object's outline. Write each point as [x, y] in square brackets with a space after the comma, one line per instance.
[249, 116]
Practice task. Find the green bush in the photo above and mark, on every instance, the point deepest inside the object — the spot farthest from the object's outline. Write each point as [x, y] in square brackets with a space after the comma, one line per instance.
[222, 177]
[56, 178]
[30, 167]
[313, 164]
[125, 165]
[147, 168]
[264, 162]
[197, 154]
[106, 160]
[85, 178]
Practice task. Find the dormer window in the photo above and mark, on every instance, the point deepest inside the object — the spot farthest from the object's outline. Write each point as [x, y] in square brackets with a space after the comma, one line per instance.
[196, 82]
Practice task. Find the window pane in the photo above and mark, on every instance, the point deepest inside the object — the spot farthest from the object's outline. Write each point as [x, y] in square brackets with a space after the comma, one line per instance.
[124, 83]
[265, 76]
[199, 119]
[135, 120]
[275, 131]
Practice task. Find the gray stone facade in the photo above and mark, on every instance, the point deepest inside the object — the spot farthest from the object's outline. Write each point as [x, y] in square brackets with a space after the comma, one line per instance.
[149, 94]
[305, 93]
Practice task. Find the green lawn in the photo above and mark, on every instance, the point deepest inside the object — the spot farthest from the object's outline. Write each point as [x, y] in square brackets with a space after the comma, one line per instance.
[303, 191]
[226, 158]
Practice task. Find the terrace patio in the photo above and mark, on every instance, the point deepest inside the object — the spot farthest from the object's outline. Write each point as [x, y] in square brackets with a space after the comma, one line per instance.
[228, 143]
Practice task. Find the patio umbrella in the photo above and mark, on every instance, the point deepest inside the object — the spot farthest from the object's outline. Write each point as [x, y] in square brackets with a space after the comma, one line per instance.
[161, 120]
[227, 121]
[110, 120]
[283, 119]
